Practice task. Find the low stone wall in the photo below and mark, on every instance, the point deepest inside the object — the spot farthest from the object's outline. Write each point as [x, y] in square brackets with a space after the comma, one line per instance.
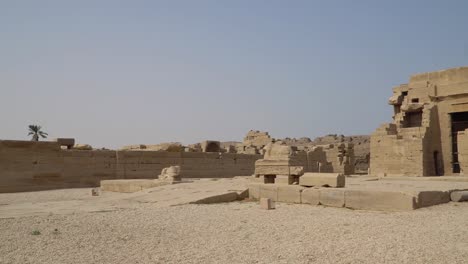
[29, 166]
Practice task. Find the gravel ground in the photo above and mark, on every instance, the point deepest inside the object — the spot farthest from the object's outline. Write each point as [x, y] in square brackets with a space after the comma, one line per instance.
[239, 232]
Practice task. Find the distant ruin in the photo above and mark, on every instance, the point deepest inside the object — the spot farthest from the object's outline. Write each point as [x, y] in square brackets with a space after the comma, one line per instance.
[426, 137]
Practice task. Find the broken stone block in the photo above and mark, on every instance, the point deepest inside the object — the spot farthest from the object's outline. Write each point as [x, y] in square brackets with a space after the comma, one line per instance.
[459, 196]
[267, 203]
[170, 174]
[336, 180]
[289, 193]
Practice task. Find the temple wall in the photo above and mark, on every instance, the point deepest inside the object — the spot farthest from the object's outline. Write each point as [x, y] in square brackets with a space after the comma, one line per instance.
[427, 151]
[463, 151]
[28, 166]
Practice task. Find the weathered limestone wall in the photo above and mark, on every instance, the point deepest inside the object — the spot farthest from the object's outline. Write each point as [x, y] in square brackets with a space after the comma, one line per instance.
[463, 151]
[27, 166]
[419, 141]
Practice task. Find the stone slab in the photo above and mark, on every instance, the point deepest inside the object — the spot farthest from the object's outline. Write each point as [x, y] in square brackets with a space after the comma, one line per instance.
[289, 193]
[310, 196]
[254, 191]
[459, 196]
[336, 180]
[129, 186]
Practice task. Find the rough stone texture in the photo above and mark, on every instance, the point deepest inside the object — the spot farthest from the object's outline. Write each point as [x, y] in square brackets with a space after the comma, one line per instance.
[459, 196]
[168, 147]
[419, 140]
[358, 159]
[309, 179]
[385, 195]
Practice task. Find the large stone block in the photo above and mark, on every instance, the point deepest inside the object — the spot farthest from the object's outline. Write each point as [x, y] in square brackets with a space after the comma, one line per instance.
[254, 190]
[310, 196]
[129, 186]
[289, 193]
[309, 179]
[284, 179]
[379, 200]
[332, 197]
[459, 196]
[430, 198]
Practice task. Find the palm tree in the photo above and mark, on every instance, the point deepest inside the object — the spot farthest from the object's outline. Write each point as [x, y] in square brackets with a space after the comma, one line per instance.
[36, 131]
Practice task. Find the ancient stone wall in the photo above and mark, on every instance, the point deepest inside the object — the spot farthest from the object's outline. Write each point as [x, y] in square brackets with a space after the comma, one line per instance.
[27, 165]
[420, 140]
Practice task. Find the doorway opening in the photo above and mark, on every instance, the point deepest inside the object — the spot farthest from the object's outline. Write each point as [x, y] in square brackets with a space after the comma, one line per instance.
[459, 123]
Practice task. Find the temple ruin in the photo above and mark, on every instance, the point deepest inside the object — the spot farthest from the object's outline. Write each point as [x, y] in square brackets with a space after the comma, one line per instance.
[426, 136]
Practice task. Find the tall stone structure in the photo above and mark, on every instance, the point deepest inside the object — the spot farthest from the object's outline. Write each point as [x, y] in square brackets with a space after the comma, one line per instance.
[422, 140]
[254, 142]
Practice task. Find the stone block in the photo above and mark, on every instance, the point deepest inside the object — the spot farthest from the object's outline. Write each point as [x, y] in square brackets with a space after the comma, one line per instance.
[267, 203]
[459, 196]
[379, 200]
[430, 198]
[284, 179]
[254, 190]
[269, 191]
[332, 197]
[310, 196]
[129, 186]
[68, 142]
[336, 180]
[289, 193]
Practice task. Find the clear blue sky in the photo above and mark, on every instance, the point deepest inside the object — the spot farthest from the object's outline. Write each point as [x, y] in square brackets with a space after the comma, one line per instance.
[111, 73]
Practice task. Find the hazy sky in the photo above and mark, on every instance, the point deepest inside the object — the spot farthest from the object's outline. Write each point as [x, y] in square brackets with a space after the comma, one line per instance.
[112, 73]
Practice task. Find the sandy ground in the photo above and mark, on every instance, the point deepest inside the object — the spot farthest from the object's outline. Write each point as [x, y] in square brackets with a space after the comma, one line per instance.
[238, 232]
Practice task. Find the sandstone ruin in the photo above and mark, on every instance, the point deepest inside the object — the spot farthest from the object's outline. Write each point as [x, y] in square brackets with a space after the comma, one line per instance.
[426, 137]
